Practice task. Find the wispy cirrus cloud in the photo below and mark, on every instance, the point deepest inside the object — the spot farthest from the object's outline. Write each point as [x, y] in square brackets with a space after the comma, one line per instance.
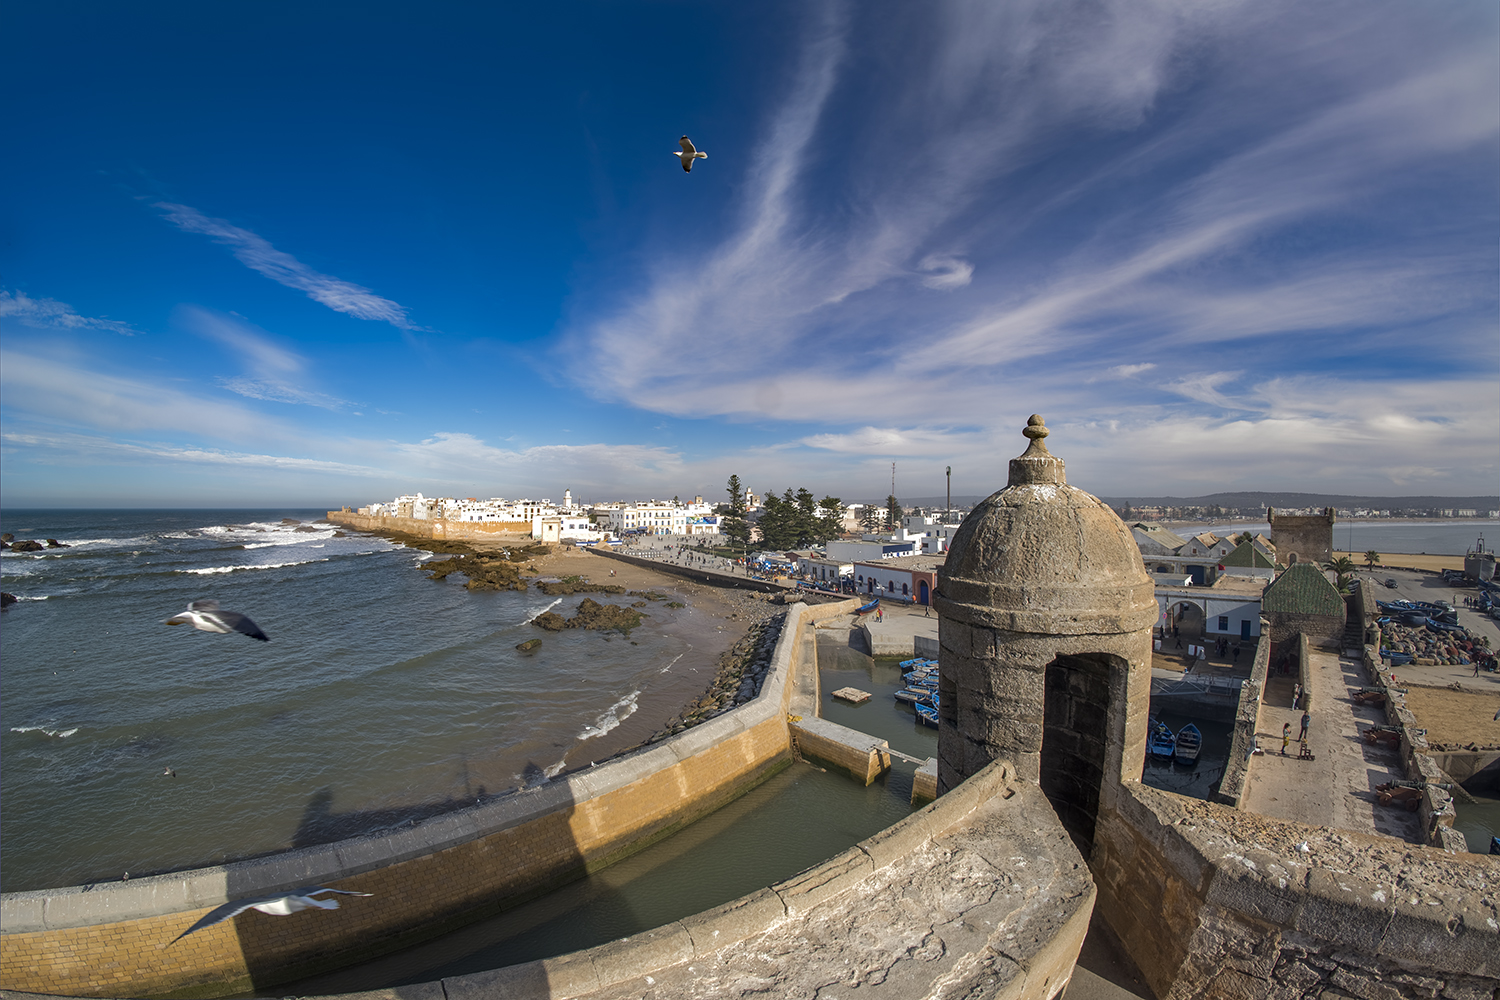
[257, 253]
[275, 373]
[1031, 195]
[46, 313]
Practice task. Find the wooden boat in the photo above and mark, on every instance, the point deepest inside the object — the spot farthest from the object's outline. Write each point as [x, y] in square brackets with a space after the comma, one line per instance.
[917, 663]
[1161, 742]
[927, 715]
[916, 695]
[866, 609]
[1189, 744]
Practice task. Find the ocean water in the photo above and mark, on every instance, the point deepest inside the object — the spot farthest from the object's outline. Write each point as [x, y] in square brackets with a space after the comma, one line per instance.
[382, 696]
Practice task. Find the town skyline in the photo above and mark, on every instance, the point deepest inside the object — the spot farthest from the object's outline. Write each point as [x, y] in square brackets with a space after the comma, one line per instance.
[293, 261]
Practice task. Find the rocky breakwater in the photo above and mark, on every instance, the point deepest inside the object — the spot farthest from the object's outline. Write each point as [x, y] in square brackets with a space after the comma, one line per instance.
[740, 672]
[501, 570]
[8, 541]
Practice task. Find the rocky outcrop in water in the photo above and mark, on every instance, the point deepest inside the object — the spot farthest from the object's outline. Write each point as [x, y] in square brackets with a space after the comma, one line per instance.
[6, 600]
[593, 616]
[529, 645]
[485, 570]
[26, 545]
[53, 543]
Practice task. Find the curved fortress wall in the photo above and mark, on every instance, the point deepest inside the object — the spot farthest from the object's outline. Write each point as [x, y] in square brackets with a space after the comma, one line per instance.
[113, 939]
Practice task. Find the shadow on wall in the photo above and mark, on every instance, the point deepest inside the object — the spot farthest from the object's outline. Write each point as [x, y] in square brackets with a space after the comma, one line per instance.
[424, 894]
[1075, 733]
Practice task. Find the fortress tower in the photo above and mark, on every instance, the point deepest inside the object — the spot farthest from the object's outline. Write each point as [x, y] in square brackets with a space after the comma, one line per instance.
[1045, 614]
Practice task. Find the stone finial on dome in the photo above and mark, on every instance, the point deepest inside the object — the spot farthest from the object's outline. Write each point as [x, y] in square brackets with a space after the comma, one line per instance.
[1037, 464]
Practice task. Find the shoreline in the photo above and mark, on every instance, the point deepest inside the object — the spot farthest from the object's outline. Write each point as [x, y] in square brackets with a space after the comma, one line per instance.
[718, 622]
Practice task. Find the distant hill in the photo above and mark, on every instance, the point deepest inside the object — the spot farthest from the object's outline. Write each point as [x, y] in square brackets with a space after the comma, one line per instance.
[1251, 500]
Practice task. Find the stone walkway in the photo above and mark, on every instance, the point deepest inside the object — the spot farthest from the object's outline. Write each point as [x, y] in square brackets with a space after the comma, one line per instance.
[1337, 787]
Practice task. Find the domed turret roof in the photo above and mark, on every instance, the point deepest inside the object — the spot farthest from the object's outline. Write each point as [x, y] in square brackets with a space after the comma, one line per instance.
[1043, 557]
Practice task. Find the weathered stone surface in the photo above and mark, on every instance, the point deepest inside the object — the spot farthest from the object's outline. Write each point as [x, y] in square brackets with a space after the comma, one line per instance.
[26, 545]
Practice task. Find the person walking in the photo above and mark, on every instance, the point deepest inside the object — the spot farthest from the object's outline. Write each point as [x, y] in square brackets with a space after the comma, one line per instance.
[1286, 737]
[1306, 718]
[1296, 695]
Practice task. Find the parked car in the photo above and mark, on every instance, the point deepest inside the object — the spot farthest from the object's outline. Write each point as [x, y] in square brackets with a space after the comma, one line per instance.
[1391, 582]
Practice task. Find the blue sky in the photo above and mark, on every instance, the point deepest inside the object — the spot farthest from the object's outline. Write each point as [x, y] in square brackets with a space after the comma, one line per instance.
[281, 253]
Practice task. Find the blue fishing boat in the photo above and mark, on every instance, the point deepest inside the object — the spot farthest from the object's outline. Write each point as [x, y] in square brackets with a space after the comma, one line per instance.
[866, 609]
[1161, 742]
[916, 695]
[917, 663]
[1189, 744]
[927, 715]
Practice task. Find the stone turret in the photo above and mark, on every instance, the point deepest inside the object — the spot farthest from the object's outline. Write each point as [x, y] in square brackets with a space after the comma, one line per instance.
[1045, 614]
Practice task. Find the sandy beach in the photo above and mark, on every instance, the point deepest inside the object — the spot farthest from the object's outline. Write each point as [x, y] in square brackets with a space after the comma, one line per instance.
[715, 618]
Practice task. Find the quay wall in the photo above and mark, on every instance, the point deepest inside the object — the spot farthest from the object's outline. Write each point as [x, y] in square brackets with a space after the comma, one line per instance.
[702, 575]
[116, 939]
[436, 527]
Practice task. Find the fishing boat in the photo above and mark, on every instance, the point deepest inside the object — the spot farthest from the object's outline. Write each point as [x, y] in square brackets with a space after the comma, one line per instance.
[1189, 744]
[866, 609]
[916, 695]
[927, 715]
[1161, 742]
[917, 663]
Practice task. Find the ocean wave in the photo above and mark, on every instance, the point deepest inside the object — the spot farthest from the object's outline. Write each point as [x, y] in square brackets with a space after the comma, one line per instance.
[669, 665]
[59, 733]
[542, 611]
[213, 570]
[611, 717]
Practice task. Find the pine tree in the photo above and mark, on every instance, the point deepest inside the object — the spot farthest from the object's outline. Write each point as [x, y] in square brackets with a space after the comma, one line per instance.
[733, 525]
[830, 518]
[892, 513]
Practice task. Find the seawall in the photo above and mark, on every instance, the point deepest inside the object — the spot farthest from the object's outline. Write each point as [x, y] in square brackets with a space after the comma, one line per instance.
[115, 938]
[438, 527]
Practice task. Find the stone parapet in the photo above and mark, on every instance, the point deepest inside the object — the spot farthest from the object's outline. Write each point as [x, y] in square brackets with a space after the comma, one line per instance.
[1244, 905]
[1237, 768]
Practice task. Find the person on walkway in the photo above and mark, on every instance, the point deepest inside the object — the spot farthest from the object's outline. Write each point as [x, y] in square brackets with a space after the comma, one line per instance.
[1286, 737]
[1296, 695]
[1306, 718]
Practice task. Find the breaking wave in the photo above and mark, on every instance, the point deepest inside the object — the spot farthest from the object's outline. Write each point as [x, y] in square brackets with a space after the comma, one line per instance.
[212, 570]
[612, 717]
[59, 733]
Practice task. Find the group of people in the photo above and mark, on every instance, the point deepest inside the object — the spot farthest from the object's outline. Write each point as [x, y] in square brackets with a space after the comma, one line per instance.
[1286, 733]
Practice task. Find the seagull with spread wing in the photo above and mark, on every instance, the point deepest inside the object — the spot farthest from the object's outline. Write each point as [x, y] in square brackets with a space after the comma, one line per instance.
[689, 154]
[205, 616]
[280, 905]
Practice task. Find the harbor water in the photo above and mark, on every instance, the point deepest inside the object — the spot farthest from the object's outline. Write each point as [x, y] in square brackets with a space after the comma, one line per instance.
[382, 696]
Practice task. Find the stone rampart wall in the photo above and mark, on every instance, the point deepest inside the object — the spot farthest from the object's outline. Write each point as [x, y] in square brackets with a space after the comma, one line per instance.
[699, 574]
[1304, 673]
[114, 939]
[1236, 770]
[438, 527]
[1213, 902]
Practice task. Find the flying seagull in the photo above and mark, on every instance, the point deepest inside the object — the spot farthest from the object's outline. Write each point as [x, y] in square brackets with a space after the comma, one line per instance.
[205, 616]
[280, 905]
[689, 154]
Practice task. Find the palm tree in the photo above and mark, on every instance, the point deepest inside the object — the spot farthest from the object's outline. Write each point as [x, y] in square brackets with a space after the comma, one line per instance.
[1343, 567]
[1371, 558]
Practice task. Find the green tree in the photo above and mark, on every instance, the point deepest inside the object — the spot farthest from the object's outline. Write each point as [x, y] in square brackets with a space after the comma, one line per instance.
[830, 518]
[1343, 568]
[733, 525]
[869, 517]
[1243, 537]
[892, 512]
[1371, 558]
[777, 530]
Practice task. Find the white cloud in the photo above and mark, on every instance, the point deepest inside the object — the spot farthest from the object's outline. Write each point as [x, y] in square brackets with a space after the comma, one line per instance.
[51, 314]
[276, 373]
[259, 255]
[945, 273]
[1128, 371]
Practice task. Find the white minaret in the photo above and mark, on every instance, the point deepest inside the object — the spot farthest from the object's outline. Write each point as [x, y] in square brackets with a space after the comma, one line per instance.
[568, 499]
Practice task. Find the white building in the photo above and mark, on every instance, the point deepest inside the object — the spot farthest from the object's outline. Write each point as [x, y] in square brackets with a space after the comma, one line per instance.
[867, 550]
[651, 518]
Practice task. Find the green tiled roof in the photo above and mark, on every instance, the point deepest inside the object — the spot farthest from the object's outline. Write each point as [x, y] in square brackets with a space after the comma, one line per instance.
[1303, 590]
[1246, 554]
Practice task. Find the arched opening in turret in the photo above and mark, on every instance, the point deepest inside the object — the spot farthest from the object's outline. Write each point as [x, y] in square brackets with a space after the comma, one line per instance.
[1078, 721]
